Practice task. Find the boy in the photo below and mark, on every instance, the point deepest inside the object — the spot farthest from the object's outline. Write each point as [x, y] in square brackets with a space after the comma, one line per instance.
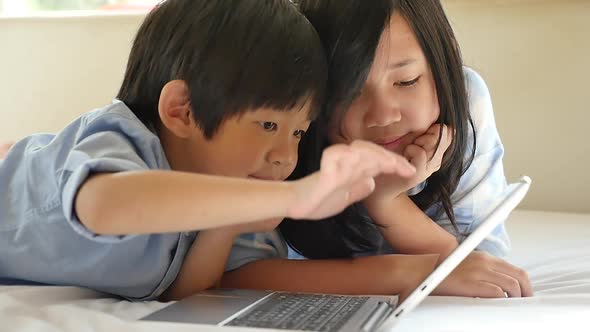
[216, 96]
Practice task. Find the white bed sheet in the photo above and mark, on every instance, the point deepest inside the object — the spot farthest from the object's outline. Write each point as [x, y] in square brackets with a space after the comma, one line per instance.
[553, 247]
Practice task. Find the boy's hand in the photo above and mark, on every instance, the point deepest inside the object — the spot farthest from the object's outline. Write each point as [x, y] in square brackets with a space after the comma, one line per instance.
[423, 155]
[346, 176]
[483, 275]
[253, 227]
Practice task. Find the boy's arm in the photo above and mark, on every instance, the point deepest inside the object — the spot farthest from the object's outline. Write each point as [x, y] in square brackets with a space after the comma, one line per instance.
[205, 262]
[409, 230]
[203, 265]
[162, 201]
[145, 202]
[374, 275]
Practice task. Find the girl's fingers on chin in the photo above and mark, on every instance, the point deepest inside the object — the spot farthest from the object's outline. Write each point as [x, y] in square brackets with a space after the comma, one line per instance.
[426, 141]
[415, 155]
[435, 129]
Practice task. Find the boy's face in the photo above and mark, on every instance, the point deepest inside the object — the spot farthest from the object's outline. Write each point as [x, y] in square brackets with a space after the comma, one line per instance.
[258, 144]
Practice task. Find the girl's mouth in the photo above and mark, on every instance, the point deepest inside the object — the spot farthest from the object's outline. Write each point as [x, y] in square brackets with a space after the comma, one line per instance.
[391, 144]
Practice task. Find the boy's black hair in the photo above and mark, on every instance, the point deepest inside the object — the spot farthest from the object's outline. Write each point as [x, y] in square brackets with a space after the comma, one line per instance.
[234, 55]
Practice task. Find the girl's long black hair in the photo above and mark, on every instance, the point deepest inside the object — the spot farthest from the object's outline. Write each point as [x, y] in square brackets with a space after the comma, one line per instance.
[350, 31]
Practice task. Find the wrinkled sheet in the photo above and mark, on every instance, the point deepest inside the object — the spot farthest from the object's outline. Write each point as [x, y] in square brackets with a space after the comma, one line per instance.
[554, 248]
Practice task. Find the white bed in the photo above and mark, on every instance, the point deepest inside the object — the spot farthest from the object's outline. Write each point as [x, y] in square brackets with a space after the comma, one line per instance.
[553, 247]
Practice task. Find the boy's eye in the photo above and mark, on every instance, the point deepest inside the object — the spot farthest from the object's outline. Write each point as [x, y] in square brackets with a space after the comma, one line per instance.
[299, 133]
[408, 83]
[269, 126]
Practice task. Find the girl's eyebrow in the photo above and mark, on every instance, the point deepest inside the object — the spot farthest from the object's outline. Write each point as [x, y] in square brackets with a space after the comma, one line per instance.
[400, 64]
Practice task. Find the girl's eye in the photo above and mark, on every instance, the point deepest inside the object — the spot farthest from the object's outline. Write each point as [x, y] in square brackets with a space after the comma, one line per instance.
[406, 84]
[299, 133]
[269, 126]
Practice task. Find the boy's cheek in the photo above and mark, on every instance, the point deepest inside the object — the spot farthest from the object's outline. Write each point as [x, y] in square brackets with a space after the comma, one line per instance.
[289, 172]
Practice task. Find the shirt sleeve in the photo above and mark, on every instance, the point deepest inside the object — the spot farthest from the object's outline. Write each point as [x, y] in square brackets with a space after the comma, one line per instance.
[100, 147]
[484, 184]
[256, 246]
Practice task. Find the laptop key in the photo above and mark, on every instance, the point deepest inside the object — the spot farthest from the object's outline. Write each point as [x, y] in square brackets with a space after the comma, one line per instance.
[307, 312]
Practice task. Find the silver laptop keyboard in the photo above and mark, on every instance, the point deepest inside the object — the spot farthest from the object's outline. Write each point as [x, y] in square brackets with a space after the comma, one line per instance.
[306, 312]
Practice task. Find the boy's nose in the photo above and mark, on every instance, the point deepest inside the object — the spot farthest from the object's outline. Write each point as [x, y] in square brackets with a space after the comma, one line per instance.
[283, 155]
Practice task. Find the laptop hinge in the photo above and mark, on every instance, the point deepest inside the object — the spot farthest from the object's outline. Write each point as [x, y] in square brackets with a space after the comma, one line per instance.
[382, 310]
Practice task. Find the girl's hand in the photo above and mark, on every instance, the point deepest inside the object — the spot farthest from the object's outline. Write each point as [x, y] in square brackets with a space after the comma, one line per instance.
[424, 155]
[483, 275]
[346, 176]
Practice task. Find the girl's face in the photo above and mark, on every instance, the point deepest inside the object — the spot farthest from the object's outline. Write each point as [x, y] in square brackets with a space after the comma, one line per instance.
[398, 102]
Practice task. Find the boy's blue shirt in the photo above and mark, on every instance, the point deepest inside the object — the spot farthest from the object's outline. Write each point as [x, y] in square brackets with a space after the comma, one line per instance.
[41, 238]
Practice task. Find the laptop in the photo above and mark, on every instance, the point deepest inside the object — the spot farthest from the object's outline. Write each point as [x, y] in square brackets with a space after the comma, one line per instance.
[325, 312]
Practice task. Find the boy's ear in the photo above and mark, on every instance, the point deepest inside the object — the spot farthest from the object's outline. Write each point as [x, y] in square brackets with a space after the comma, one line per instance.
[175, 109]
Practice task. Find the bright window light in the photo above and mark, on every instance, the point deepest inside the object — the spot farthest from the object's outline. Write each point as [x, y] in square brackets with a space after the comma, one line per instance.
[29, 7]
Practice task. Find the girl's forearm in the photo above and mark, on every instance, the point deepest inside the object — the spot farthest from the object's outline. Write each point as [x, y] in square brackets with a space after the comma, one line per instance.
[409, 230]
[375, 275]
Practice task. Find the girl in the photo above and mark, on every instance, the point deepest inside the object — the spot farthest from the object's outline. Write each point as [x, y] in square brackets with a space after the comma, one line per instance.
[396, 78]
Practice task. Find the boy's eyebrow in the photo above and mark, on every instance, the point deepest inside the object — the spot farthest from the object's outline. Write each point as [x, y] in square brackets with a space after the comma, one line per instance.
[402, 63]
